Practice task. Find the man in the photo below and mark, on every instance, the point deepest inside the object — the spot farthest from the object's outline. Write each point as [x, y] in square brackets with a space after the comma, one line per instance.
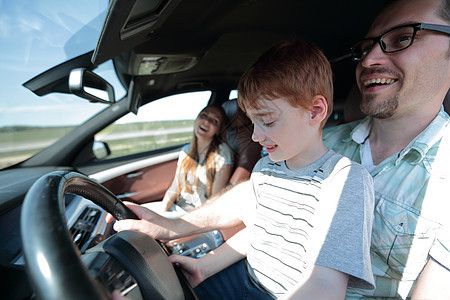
[403, 73]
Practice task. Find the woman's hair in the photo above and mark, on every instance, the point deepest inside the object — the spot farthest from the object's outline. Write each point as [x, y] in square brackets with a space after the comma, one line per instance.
[190, 162]
[296, 70]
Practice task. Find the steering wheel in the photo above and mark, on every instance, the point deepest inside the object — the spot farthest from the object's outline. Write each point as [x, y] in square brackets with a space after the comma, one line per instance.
[54, 267]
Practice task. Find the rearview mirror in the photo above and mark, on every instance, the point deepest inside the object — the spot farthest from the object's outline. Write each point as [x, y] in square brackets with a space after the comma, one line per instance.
[88, 85]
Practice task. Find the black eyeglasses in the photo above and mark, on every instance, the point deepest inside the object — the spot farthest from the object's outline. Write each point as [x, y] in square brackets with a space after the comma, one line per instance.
[394, 40]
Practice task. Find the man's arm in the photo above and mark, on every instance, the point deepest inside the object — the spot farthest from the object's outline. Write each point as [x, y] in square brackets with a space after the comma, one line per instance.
[323, 283]
[219, 212]
[432, 282]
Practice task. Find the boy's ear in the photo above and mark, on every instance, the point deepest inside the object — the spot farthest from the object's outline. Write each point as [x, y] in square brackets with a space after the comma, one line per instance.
[318, 110]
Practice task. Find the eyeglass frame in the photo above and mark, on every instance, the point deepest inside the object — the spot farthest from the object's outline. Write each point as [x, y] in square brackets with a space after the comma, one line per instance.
[416, 26]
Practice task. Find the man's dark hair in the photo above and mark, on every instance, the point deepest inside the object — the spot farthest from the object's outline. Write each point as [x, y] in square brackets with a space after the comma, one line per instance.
[444, 10]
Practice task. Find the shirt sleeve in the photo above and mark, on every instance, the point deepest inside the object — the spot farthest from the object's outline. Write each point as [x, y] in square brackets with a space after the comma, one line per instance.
[440, 251]
[183, 154]
[224, 157]
[346, 247]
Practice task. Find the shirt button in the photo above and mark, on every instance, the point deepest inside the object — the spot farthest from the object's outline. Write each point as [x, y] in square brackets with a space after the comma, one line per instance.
[399, 227]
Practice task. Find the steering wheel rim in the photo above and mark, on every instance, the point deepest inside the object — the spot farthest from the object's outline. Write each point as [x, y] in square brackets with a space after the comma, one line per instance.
[53, 264]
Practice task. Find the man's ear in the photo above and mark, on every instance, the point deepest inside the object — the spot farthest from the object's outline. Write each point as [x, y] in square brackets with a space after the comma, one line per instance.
[318, 110]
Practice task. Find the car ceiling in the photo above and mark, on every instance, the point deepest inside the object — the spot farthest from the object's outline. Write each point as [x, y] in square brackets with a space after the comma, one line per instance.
[203, 44]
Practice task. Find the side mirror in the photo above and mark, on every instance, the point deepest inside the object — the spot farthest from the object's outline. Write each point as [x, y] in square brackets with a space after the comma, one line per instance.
[101, 150]
[86, 84]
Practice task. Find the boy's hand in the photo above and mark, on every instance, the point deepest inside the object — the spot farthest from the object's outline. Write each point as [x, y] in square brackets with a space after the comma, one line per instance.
[116, 295]
[191, 267]
[150, 222]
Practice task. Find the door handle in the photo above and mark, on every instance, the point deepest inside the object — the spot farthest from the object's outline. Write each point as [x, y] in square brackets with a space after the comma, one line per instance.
[133, 175]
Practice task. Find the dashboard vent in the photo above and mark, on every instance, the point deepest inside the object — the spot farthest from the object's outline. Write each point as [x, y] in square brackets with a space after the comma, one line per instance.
[82, 229]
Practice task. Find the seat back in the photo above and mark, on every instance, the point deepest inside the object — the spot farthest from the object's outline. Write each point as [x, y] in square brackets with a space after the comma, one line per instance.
[239, 134]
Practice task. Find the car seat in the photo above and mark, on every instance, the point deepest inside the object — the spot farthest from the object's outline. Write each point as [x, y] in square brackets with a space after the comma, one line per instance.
[239, 134]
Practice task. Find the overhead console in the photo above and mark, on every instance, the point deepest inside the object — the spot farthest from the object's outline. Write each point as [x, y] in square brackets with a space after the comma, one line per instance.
[147, 64]
[128, 24]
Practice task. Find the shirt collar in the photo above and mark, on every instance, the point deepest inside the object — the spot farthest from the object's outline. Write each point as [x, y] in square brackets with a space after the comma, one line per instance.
[360, 133]
[419, 146]
[427, 138]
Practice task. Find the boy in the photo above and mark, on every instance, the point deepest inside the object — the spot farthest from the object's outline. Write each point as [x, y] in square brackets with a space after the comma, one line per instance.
[307, 210]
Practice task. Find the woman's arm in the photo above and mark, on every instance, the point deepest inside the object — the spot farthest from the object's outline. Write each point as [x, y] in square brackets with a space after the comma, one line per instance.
[171, 195]
[221, 179]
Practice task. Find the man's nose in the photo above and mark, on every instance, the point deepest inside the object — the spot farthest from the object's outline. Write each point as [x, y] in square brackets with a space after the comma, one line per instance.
[375, 56]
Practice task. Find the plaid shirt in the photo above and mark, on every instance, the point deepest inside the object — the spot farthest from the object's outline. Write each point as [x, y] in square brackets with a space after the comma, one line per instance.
[412, 204]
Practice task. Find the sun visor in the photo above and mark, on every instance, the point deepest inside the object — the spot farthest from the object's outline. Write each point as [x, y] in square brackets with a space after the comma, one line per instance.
[128, 24]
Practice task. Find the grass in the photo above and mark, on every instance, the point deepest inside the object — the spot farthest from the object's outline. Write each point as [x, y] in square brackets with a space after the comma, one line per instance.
[18, 143]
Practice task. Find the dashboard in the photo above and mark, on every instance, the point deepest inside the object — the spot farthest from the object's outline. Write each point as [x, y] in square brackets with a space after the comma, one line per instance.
[85, 220]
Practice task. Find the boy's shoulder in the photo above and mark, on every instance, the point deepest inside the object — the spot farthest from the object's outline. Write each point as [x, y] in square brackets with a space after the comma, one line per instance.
[326, 169]
[326, 165]
[334, 161]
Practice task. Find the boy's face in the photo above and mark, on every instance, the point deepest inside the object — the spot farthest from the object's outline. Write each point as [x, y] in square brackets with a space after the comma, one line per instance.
[284, 130]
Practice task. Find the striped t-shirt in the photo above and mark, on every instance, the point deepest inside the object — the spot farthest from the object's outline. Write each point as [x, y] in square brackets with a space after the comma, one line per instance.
[321, 214]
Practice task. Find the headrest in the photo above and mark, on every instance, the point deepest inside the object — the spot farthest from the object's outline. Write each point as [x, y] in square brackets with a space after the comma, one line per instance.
[235, 116]
[230, 107]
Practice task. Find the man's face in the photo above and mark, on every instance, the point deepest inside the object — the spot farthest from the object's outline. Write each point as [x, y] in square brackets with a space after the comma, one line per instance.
[410, 79]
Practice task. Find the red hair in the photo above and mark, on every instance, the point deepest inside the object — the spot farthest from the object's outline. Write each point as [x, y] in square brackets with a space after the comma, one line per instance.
[296, 70]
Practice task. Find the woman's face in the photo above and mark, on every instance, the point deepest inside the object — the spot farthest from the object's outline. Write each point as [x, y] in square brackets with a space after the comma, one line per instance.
[208, 123]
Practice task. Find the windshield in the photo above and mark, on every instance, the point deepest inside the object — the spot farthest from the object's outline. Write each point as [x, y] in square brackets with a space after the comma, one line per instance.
[36, 36]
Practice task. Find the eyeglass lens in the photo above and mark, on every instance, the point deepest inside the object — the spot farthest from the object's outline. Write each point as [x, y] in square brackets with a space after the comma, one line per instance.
[392, 41]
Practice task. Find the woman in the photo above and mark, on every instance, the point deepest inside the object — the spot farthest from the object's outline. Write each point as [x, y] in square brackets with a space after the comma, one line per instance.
[204, 166]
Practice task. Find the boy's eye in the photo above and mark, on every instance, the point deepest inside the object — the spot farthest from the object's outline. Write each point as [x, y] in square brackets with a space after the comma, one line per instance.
[268, 124]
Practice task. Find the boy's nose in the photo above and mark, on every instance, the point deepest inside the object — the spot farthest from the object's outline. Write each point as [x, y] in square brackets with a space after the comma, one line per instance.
[258, 135]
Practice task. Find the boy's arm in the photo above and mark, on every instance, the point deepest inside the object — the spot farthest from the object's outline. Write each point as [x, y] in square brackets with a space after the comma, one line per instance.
[198, 270]
[219, 212]
[323, 283]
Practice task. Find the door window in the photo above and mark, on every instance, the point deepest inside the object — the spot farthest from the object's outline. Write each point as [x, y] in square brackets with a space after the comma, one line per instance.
[159, 124]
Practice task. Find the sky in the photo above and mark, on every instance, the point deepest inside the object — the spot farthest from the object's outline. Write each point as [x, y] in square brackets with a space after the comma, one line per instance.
[37, 35]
